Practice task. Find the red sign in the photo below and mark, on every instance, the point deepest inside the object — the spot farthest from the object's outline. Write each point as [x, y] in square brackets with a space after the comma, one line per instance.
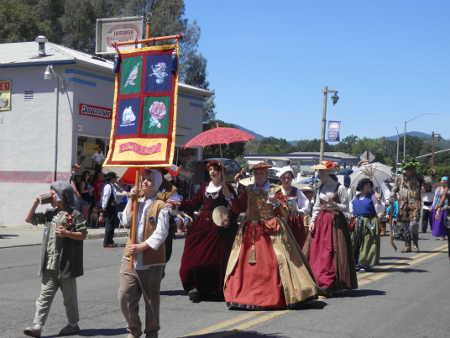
[95, 111]
[5, 85]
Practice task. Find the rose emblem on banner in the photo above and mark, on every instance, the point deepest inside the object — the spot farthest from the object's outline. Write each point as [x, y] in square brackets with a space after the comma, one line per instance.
[157, 112]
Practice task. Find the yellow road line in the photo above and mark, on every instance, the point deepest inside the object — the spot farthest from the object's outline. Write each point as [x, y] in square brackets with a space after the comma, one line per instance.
[414, 261]
[238, 324]
[225, 323]
[260, 319]
[394, 264]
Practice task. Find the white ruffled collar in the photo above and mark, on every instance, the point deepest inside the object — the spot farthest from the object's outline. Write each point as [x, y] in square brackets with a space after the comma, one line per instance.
[212, 189]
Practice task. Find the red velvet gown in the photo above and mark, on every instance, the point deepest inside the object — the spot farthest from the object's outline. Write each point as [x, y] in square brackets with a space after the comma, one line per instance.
[330, 252]
[207, 246]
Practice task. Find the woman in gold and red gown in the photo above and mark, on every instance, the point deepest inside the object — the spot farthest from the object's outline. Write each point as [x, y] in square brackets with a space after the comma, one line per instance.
[266, 269]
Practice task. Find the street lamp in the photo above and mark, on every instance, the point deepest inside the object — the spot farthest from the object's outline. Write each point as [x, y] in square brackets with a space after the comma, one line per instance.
[334, 99]
[50, 74]
[404, 134]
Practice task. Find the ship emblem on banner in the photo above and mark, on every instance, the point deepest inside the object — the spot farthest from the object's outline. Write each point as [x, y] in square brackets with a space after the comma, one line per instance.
[145, 108]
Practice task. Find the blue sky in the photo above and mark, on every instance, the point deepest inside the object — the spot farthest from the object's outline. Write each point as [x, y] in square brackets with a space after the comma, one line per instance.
[269, 60]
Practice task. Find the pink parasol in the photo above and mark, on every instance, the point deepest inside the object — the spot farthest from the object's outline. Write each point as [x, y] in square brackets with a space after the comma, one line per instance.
[220, 135]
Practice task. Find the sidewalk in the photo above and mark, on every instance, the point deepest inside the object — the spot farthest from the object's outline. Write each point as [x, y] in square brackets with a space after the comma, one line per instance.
[26, 235]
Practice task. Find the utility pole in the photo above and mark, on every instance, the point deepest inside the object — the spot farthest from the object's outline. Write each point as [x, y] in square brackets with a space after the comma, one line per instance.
[432, 150]
[324, 122]
[335, 99]
[435, 137]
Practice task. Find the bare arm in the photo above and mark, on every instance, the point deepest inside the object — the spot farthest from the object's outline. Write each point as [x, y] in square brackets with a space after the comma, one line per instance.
[29, 218]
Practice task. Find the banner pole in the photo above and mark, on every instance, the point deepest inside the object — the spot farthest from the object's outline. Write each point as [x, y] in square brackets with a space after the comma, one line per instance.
[134, 212]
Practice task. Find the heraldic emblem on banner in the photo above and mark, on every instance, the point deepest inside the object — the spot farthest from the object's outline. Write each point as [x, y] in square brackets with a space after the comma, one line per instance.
[145, 108]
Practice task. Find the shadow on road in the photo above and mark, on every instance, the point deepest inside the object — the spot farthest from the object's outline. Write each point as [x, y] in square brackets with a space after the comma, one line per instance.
[310, 305]
[404, 270]
[8, 235]
[239, 334]
[395, 263]
[360, 293]
[102, 332]
[173, 293]
[399, 258]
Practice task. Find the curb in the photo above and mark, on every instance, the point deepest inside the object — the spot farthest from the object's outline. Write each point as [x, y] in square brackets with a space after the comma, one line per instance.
[93, 236]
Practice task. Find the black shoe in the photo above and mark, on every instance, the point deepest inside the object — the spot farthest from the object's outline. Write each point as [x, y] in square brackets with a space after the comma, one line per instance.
[194, 296]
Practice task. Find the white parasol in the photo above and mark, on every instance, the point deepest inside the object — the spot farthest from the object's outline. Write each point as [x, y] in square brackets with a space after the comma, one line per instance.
[377, 172]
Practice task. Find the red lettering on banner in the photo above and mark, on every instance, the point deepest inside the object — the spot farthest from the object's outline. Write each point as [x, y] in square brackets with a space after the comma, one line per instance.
[140, 149]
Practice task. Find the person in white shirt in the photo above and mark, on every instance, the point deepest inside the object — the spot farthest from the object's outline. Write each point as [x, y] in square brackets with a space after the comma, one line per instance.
[427, 201]
[144, 258]
[108, 215]
[98, 159]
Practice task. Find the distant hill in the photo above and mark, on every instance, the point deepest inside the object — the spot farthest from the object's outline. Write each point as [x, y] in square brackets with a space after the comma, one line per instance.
[443, 143]
[419, 134]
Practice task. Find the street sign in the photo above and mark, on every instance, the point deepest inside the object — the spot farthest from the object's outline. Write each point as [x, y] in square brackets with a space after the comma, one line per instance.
[110, 30]
[334, 128]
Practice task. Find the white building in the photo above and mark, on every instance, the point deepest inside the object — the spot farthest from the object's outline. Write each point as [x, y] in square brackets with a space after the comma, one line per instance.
[55, 122]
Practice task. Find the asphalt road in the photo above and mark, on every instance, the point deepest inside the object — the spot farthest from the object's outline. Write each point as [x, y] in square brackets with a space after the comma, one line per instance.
[407, 296]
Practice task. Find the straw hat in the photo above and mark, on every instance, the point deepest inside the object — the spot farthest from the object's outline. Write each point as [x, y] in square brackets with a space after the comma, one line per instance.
[261, 165]
[326, 165]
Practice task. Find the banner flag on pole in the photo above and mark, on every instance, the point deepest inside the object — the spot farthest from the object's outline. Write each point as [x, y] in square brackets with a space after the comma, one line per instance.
[145, 108]
[334, 128]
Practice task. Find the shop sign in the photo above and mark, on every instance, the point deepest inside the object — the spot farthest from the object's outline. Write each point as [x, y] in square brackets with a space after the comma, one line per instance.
[5, 95]
[95, 111]
[110, 30]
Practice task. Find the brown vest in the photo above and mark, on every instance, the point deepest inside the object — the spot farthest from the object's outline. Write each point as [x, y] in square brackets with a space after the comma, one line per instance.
[150, 256]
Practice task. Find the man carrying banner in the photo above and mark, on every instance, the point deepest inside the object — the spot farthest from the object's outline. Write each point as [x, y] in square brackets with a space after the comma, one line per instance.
[143, 134]
[143, 275]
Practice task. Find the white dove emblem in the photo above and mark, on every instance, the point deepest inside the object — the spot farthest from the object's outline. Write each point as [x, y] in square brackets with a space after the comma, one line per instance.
[132, 76]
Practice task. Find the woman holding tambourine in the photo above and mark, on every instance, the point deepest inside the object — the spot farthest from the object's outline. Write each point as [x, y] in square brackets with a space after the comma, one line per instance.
[209, 239]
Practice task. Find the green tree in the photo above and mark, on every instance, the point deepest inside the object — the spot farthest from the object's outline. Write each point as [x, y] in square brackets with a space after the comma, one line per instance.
[78, 24]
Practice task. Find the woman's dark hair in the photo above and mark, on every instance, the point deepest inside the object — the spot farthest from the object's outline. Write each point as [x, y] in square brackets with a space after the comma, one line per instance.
[363, 182]
[85, 174]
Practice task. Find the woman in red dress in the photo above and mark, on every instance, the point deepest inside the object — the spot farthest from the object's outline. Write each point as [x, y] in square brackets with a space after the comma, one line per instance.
[266, 269]
[293, 204]
[330, 252]
[207, 245]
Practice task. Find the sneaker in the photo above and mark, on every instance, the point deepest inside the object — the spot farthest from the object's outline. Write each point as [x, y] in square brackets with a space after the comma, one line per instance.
[362, 269]
[69, 330]
[415, 248]
[33, 331]
[194, 296]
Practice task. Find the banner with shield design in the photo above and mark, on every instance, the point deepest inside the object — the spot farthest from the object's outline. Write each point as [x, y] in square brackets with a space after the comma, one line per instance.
[145, 108]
